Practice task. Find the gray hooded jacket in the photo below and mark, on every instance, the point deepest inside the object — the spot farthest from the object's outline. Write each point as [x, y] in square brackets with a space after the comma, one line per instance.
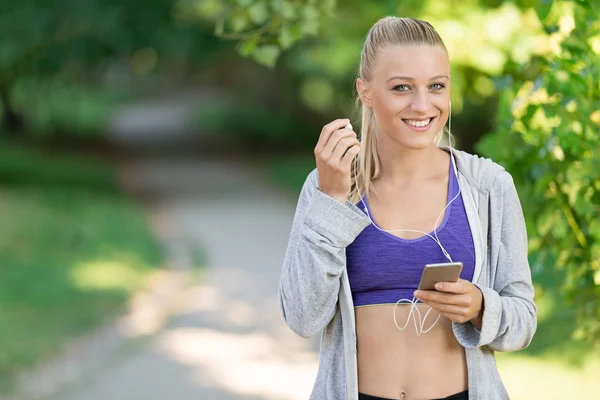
[315, 296]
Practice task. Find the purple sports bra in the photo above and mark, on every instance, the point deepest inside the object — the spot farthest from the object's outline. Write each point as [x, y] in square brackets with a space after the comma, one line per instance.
[383, 268]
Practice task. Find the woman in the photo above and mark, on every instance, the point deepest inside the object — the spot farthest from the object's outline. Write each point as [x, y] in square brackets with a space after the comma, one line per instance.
[364, 231]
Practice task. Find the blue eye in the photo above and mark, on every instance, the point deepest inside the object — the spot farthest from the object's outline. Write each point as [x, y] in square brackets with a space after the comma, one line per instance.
[401, 86]
[439, 86]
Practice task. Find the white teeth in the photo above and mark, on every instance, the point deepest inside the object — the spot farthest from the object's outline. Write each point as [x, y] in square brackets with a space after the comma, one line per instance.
[418, 124]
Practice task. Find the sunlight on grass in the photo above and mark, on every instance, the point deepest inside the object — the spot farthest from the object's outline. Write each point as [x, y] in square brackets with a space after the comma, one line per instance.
[68, 262]
[546, 304]
[544, 378]
[106, 275]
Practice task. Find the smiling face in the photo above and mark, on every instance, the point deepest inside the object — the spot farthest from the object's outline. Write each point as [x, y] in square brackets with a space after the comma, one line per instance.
[409, 93]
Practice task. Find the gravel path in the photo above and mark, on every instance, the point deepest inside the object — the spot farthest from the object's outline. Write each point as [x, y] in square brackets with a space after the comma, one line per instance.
[225, 338]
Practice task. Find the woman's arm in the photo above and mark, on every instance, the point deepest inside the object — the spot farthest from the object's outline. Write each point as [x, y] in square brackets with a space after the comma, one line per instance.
[509, 318]
[316, 256]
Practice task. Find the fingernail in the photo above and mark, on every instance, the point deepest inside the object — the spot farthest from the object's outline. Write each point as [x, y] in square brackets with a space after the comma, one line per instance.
[417, 293]
[439, 286]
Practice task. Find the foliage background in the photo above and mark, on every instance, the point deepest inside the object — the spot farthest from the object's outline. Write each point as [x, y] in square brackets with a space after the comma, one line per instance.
[526, 92]
[531, 67]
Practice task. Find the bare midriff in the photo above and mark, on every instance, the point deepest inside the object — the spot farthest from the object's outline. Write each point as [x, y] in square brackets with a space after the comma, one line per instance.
[398, 364]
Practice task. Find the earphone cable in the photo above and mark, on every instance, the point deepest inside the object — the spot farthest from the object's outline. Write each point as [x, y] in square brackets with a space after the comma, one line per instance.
[418, 327]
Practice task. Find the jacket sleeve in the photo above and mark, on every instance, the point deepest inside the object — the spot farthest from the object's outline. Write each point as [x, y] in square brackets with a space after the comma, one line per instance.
[316, 257]
[510, 313]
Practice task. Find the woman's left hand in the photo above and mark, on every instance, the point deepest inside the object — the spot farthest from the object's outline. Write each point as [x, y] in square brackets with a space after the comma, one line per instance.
[459, 301]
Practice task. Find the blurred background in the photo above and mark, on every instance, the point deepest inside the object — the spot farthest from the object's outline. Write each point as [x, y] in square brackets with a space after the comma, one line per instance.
[151, 155]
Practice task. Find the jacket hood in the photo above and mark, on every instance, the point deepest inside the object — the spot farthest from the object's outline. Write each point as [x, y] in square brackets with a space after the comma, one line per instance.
[479, 171]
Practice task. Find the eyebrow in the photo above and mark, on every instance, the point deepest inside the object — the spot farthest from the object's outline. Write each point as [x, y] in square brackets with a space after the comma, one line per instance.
[408, 78]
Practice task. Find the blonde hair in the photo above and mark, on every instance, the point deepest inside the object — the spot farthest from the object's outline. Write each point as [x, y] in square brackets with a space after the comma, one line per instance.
[386, 31]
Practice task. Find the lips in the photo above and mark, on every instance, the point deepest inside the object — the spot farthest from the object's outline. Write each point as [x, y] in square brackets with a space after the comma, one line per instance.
[415, 124]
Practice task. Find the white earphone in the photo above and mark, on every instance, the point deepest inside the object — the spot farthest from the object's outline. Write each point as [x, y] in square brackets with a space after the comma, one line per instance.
[420, 325]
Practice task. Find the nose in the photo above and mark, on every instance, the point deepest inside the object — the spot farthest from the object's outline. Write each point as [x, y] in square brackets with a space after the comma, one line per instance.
[420, 102]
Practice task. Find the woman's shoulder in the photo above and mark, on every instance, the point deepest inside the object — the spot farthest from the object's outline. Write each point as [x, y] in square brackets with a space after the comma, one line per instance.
[481, 172]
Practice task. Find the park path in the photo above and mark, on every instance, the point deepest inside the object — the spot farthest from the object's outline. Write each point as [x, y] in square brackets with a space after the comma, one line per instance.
[224, 337]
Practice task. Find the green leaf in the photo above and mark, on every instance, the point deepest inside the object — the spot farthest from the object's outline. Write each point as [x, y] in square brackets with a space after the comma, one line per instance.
[594, 229]
[219, 27]
[585, 3]
[296, 31]
[289, 10]
[541, 185]
[210, 8]
[267, 55]
[575, 46]
[285, 37]
[310, 12]
[310, 26]
[239, 22]
[328, 6]
[258, 13]
[543, 8]
[248, 46]
[277, 5]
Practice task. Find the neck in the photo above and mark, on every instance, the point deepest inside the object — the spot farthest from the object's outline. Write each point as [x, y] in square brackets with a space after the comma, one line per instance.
[400, 165]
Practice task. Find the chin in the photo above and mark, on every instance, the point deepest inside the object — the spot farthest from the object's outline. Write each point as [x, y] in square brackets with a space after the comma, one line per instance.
[420, 145]
[409, 139]
[417, 142]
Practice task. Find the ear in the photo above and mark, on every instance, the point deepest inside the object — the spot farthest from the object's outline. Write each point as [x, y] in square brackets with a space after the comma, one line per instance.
[362, 89]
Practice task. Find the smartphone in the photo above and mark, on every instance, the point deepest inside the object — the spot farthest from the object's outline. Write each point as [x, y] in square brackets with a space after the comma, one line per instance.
[442, 272]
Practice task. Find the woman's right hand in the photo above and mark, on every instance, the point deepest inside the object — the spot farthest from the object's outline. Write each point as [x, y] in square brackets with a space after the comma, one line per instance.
[333, 166]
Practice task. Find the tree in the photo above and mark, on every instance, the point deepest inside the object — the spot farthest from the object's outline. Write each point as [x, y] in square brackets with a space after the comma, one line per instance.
[42, 40]
[548, 116]
[326, 60]
[547, 135]
[263, 28]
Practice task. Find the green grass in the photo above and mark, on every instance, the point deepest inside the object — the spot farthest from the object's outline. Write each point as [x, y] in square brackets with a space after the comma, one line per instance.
[22, 165]
[289, 173]
[72, 250]
[58, 107]
[528, 377]
[553, 366]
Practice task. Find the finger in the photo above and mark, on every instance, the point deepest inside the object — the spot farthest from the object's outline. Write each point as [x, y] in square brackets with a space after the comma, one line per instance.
[349, 156]
[448, 308]
[460, 286]
[441, 297]
[334, 140]
[328, 130]
[456, 315]
[342, 146]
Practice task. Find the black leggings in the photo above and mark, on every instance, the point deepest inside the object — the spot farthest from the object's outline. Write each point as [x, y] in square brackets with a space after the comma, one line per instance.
[458, 396]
